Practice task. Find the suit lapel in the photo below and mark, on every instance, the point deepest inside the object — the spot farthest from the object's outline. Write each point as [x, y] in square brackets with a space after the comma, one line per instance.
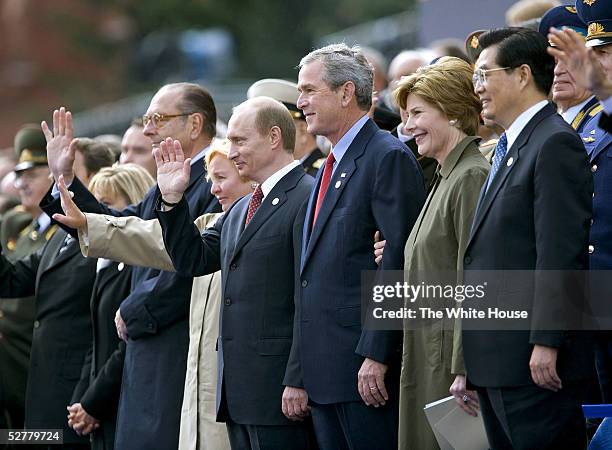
[509, 162]
[52, 258]
[309, 214]
[272, 203]
[338, 182]
[197, 174]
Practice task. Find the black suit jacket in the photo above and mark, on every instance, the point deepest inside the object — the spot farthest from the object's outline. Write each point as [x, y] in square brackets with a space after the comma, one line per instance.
[534, 216]
[61, 284]
[377, 185]
[156, 314]
[257, 265]
[100, 384]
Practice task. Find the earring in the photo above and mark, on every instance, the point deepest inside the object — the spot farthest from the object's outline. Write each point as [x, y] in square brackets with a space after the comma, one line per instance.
[452, 122]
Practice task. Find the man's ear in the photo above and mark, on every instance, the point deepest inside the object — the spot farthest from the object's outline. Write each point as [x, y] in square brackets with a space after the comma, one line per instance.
[525, 74]
[275, 136]
[197, 125]
[348, 93]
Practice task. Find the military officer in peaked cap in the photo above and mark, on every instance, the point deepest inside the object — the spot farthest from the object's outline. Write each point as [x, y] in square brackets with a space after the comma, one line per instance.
[25, 229]
[575, 103]
[597, 14]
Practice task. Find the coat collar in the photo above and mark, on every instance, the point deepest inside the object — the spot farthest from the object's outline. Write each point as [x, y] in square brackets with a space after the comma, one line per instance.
[339, 180]
[455, 155]
[487, 196]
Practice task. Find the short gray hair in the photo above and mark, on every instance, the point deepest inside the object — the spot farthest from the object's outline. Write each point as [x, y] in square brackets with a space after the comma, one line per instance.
[343, 63]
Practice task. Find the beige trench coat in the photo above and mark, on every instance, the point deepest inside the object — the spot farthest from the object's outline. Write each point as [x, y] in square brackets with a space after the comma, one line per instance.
[134, 241]
[432, 354]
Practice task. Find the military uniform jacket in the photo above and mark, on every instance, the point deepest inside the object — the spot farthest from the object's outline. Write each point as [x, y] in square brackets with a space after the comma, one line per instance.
[16, 324]
[61, 283]
[598, 144]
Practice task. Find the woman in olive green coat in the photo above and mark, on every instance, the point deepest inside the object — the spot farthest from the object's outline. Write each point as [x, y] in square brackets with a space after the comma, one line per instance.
[441, 112]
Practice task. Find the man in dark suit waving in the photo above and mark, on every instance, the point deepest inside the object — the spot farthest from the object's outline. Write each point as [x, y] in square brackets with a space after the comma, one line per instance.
[254, 246]
[370, 181]
[533, 215]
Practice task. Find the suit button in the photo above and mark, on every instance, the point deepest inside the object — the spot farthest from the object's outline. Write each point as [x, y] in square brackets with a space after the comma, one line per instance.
[594, 168]
[467, 260]
[228, 302]
[233, 266]
[150, 326]
[304, 283]
[591, 248]
[36, 324]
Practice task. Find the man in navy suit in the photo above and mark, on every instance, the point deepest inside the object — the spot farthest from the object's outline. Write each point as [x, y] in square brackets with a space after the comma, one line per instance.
[533, 215]
[153, 319]
[256, 248]
[370, 181]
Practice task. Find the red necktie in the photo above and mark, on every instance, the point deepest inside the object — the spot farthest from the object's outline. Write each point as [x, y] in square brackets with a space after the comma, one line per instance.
[254, 204]
[325, 179]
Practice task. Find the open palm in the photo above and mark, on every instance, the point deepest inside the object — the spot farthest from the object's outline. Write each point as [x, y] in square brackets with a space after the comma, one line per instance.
[173, 170]
[60, 152]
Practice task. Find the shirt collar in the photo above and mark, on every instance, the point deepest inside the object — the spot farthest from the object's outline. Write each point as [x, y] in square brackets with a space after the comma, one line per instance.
[345, 142]
[43, 222]
[200, 155]
[573, 111]
[271, 181]
[522, 120]
[453, 157]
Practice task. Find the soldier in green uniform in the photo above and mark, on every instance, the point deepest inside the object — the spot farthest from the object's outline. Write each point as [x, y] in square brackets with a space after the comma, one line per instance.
[25, 229]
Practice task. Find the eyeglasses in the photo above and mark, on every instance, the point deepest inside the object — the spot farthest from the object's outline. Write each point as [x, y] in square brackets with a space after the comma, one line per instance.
[480, 75]
[159, 120]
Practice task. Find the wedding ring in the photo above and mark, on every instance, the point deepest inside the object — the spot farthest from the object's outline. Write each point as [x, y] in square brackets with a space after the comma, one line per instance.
[373, 388]
[465, 399]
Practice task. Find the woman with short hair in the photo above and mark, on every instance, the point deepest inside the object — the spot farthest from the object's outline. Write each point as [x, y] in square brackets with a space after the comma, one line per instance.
[442, 113]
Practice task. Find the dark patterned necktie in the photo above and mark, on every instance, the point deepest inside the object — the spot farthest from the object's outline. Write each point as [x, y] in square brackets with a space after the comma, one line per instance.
[500, 152]
[254, 204]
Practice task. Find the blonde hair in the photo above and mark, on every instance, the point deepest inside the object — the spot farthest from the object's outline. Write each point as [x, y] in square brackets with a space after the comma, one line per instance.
[130, 181]
[219, 147]
[447, 85]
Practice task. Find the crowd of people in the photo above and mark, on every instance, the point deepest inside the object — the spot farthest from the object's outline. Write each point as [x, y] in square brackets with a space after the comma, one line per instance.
[184, 288]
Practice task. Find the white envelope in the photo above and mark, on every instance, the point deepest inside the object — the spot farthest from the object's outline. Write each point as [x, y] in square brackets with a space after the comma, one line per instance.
[453, 428]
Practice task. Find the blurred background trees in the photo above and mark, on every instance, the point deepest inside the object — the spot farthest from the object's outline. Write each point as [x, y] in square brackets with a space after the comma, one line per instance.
[84, 53]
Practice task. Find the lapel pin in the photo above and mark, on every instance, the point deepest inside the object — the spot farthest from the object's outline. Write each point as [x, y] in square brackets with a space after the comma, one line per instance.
[338, 183]
[120, 266]
[275, 201]
[343, 175]
[593, 131]
[510, 161]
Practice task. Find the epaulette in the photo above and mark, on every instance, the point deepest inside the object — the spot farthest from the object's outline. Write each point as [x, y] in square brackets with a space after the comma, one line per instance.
[596, 110]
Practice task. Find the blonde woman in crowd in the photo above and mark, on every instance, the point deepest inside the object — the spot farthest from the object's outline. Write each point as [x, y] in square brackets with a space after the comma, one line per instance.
[442, 114]
[141, 243]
